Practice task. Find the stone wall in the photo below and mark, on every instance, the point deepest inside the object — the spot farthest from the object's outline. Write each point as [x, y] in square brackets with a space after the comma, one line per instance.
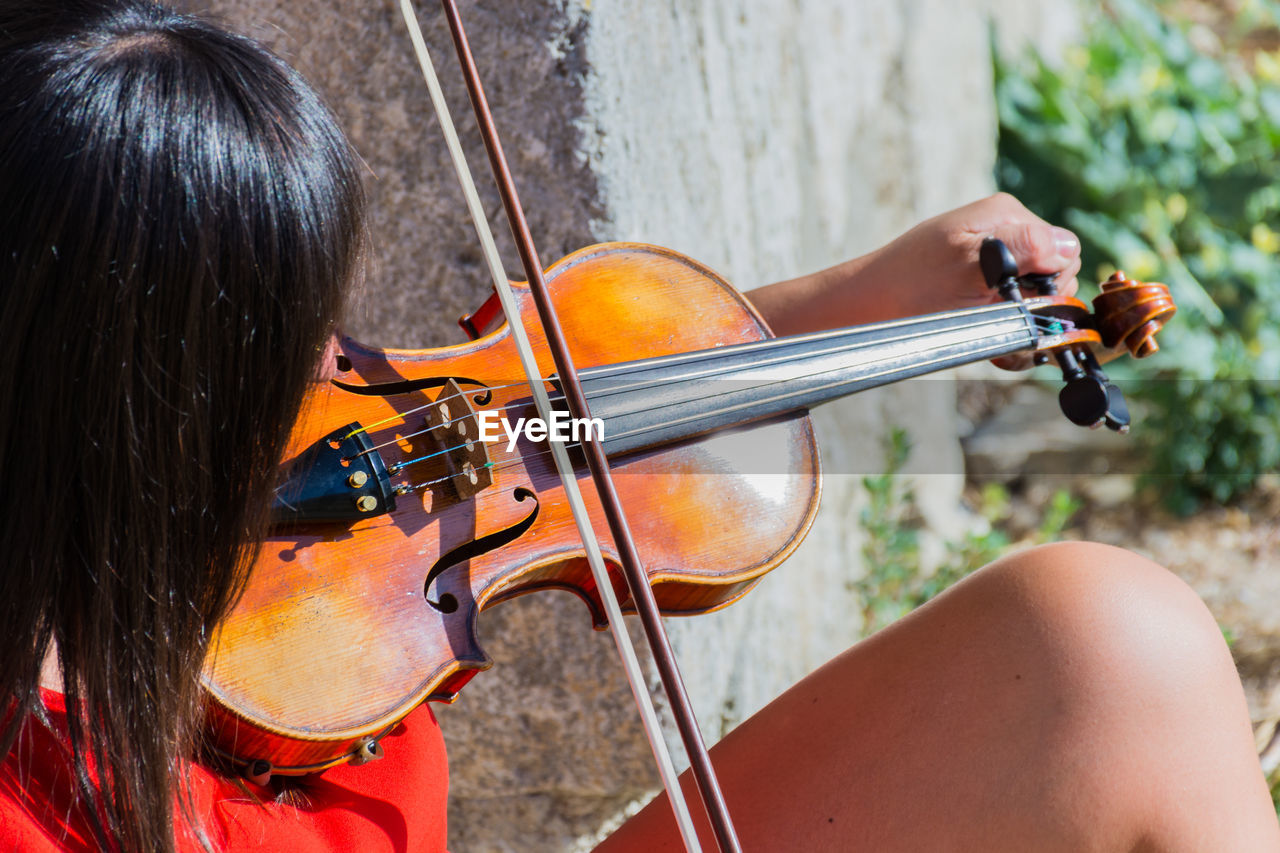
[763, 138]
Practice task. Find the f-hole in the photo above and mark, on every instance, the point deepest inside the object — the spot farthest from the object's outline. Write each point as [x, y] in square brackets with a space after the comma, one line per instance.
[448, 603]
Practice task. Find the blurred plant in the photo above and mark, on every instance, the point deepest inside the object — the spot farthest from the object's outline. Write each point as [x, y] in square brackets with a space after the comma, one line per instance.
[1156, 142]
[891, 550]
[896, 581]
[1274, 784]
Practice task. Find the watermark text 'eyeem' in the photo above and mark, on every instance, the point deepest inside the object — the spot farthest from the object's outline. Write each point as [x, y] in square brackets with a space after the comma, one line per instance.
[562, 428]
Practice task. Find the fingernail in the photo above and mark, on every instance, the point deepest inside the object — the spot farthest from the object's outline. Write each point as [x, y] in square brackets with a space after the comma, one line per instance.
[1065, 242]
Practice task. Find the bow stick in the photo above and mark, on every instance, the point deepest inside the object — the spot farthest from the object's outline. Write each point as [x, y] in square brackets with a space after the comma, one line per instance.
[637, 582]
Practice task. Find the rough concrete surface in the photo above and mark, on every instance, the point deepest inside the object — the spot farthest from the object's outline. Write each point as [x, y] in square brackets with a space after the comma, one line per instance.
[763, 138]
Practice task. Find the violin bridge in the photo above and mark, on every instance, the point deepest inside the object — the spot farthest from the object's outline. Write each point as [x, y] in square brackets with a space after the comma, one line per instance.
[452, 423]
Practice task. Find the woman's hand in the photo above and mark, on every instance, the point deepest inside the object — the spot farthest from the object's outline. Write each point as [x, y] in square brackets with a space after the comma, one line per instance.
[932, 267]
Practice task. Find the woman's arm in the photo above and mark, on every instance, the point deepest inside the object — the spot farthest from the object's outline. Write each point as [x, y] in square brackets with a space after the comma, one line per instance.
[932, 267]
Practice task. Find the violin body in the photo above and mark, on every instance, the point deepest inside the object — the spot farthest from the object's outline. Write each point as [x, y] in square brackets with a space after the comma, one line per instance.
[364, 601]
[343, 628]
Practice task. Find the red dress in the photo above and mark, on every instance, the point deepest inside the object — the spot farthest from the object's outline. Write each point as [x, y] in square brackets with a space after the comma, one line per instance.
[394, 804]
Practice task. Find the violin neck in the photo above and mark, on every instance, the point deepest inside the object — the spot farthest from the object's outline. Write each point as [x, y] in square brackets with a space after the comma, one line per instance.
[656, 401]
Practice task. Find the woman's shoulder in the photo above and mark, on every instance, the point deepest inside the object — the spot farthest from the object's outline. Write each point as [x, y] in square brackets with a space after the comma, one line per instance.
[396, 803]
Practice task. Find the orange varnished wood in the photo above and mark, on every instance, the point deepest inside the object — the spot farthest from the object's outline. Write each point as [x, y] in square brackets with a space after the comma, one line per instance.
[334, 639]
[1130, 312]
[1126, 316]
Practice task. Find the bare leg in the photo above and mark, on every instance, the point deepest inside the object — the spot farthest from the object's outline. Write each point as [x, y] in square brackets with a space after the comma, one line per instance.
[1074, 697]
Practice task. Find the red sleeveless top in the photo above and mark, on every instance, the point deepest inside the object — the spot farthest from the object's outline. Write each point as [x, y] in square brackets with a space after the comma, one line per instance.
[394, 804]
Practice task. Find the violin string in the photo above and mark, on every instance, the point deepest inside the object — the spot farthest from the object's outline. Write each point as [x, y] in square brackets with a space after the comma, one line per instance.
[422, 408]
[397, 467]
[782, 398]
[521, 459]
[847, 336]
[647, 364]
[848, 347]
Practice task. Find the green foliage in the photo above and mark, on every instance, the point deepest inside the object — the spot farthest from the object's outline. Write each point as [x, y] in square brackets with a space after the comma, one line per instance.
[1273, 782]
[896, 581]
[1163, 159]
[891, 551]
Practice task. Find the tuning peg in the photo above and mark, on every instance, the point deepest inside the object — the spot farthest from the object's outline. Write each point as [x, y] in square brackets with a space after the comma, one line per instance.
[1085, 401]
[1117, 410]
[1045, 284]
[1001, 272]
[1089, 398]
[999, 268]
[1091, 402]
[1117, 413]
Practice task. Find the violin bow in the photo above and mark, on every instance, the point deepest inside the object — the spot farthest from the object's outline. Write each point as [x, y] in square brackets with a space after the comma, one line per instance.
[637, 581]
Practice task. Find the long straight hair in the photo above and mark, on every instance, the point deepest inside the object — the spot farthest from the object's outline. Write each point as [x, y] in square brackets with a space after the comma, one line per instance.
[179, 219]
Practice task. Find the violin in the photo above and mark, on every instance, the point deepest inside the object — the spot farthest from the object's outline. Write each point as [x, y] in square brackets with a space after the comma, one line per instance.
[401, 515]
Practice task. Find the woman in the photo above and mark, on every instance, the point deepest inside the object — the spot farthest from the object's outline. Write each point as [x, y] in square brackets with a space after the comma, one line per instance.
[179, 219]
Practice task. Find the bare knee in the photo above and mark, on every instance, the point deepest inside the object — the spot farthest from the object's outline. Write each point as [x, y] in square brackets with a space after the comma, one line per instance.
[1097, 611]
[1090, 622]
[1139, 708]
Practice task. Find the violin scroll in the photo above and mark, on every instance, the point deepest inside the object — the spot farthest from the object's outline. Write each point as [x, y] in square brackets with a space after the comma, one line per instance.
[1126, 312]
[1130, 312]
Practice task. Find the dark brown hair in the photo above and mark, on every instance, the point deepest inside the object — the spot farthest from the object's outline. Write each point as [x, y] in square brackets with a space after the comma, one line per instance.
[179, 218]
